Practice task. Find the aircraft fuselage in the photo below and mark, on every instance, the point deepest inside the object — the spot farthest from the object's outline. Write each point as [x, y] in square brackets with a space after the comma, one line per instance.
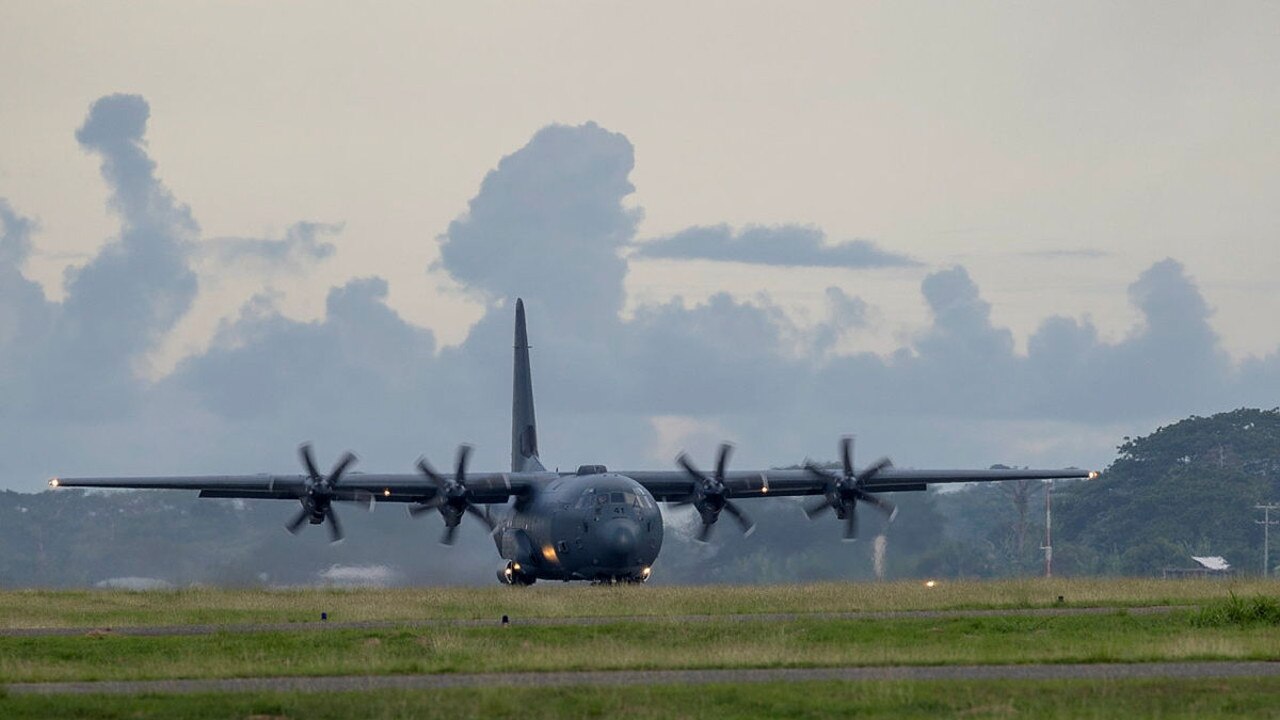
[599, 526]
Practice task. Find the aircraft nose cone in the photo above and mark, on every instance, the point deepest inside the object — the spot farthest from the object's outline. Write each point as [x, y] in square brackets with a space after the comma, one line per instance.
[621, 538]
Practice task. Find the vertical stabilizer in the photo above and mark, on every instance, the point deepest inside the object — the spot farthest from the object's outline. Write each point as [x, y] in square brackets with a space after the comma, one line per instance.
[524, 426]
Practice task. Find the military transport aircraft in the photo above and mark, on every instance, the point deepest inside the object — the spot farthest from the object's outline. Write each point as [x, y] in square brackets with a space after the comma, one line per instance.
[593, 524]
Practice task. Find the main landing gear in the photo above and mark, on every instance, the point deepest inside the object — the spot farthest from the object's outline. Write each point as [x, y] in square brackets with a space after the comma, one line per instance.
[637, 579]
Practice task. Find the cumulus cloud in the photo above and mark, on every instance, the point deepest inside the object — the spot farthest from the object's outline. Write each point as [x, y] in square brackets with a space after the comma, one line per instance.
[783, 246]
[551, 223]
[23, 309]
[548, 224]
[300, 247]
[361, 354]
[119, 304]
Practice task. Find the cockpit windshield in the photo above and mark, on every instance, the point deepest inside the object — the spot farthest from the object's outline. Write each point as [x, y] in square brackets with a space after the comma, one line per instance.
[593, 497]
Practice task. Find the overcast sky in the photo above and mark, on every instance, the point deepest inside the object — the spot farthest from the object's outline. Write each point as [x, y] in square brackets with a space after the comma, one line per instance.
[969, 234]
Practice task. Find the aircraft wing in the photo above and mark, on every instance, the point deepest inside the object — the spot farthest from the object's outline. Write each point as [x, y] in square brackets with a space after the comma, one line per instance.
[483, 487]
[677, 484]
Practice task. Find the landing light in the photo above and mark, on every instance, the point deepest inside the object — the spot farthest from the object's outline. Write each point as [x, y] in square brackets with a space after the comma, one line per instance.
[386, 492]
[931, 583]
[644, 574]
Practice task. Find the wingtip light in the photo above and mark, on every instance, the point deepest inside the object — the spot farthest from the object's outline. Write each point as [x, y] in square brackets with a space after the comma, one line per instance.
[1093, 474]
[53, 482]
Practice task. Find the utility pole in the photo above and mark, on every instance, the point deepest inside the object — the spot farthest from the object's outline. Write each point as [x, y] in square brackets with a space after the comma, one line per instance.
[1048, 530]
[1266, 522]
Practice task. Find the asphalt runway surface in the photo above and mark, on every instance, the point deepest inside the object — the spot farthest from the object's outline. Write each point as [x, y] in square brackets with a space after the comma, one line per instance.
[158, 630]
[1114, 671]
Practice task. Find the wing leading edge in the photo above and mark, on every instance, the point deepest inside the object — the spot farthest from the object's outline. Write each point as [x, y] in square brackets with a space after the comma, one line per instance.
[675, 485]
[405, 488]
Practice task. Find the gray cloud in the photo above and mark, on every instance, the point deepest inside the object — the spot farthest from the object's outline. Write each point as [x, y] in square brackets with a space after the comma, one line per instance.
[25, 314]
[300, 247]
[264, 363]
[844, 313]
[120, 304]
[15, 240]
[783, 246]
[549, 223]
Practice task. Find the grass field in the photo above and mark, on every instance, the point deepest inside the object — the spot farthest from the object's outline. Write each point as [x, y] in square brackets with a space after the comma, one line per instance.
[629, 646]
[116, 608]
[1238, 620]
[1252, 698]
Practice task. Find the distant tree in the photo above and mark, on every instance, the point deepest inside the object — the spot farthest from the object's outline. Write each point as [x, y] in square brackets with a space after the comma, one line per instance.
[1190, 485]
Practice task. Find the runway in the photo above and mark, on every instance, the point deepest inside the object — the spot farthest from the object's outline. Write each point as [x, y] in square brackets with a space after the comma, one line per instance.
[238, 628]
[1114, 671]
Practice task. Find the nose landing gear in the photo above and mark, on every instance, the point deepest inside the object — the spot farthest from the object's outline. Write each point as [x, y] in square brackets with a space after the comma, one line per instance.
[513, 574]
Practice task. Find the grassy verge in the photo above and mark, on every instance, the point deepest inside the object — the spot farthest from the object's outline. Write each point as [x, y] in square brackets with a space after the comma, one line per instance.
[1239, 612]
[1253, 698]
[43, 608]
[1116, 637]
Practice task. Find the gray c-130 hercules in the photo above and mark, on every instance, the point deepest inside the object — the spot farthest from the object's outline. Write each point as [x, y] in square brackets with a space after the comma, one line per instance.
[593, 524]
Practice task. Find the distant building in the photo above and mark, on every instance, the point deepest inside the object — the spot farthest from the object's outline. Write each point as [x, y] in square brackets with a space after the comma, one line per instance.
[1208, 566]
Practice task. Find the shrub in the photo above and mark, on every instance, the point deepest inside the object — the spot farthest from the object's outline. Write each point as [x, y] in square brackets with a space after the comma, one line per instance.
[1234, 610]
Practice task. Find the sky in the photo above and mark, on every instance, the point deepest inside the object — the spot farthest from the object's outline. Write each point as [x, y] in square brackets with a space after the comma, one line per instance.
[967, 234]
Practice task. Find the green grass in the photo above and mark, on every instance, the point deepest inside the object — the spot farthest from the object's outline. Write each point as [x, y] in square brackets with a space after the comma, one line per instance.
[1118, 637]
[1246, 697]
[1238, 611]
[46, 608]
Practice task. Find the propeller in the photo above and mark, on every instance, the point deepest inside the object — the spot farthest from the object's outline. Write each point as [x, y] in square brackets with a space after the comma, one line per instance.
[318, 495]
[845, 490]
[452, 497]
[710, 495]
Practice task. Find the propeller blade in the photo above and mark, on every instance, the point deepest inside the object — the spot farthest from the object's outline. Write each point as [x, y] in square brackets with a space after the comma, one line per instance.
[335, 528]
[482, 517]
[851, 525]
[450, 534]
[683, 461]
[846, 454]
[460, 472]
[416, 510]
[818, 472]
[722, 461]
[295, 524]
[881, 504]
[874, 469]
[341, 467]
[744, 522]
[308, 461]
[814, 509]
[425, 468]
[705, 533]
